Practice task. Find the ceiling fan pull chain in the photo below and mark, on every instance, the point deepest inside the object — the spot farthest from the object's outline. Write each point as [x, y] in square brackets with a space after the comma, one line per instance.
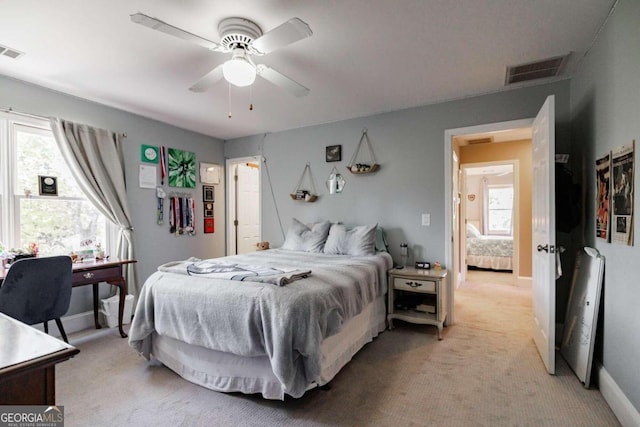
[251, 98]
[229, 103]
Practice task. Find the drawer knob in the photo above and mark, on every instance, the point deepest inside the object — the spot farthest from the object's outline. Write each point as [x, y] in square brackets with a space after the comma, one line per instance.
[413, 284]
[88, 275]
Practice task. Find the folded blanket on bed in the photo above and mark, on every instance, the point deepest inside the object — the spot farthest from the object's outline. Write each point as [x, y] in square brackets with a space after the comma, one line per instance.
[215, 269]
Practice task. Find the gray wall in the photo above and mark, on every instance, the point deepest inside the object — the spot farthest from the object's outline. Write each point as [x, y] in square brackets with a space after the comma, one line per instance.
[408, 144]
[605, 97]
[154, 244]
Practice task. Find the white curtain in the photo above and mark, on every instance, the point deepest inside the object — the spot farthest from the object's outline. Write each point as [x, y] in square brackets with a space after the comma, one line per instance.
[485, 206]
[97, 163]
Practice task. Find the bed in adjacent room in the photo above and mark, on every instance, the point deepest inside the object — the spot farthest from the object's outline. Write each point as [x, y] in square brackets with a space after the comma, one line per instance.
[273, 322]
[488, 252]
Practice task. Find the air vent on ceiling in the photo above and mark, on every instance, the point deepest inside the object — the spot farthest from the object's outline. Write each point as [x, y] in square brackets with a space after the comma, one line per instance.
[10, 53]
[550, 67]
[484, 140]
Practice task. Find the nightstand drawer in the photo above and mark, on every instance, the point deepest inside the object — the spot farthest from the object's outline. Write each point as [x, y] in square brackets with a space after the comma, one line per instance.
[414, 285]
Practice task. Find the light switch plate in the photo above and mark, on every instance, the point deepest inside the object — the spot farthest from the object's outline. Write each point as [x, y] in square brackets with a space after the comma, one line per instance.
[426, 219]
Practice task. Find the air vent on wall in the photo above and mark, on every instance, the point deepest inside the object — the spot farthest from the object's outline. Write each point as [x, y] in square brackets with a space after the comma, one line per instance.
[550, 67]
[10, 53]
[485, 140]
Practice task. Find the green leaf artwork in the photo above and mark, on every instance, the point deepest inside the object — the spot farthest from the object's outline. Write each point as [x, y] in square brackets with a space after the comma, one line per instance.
[182, 168]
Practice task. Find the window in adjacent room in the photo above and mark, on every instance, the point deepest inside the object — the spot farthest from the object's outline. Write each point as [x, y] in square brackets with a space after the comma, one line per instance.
[499, 209]
[56, 223]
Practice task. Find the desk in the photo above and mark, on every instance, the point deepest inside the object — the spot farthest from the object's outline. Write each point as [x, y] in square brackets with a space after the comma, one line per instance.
[93, 272]
[27, 363]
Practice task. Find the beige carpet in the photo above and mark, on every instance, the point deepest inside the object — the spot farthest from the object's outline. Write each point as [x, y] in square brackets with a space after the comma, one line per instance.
[486, 372]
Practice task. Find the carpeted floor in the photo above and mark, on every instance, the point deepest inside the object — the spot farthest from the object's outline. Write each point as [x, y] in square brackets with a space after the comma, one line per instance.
[485, 372]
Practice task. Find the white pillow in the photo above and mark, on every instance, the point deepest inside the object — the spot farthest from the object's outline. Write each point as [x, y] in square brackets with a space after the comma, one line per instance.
[358, 241]
[311, 238]
[472, 231]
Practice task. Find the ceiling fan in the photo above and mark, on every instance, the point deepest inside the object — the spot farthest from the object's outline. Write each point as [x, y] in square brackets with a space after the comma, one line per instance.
[243, 39]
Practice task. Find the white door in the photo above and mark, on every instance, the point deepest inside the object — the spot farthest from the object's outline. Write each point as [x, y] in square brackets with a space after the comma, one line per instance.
[544, 239]
[243, 219]
[248, 207]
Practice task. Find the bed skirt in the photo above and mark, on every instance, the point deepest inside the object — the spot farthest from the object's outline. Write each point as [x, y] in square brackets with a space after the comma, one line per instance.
[492, 262]
[228, 372]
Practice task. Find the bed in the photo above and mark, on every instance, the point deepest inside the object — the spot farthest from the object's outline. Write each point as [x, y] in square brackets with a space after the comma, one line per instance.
[488, 252]
[259, 335]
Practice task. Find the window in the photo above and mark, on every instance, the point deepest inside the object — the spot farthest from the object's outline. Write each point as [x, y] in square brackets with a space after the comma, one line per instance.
[500, 209]
[57, 223]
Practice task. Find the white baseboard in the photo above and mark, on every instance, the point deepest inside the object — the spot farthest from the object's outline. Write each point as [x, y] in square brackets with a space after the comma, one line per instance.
[73, 323]
[523, 282]
[627, 414]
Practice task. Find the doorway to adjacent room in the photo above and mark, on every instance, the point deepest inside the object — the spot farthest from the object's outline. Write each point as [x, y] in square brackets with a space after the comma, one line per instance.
[244, 228]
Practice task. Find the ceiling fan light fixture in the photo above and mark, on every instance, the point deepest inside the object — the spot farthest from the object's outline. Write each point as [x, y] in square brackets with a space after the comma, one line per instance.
[239, 70]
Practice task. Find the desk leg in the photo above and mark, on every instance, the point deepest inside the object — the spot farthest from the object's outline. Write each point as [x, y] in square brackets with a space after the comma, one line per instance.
[122, 291]
[95, 306]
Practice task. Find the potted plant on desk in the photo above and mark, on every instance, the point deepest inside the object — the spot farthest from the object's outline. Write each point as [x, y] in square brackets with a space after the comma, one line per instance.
[29, 252]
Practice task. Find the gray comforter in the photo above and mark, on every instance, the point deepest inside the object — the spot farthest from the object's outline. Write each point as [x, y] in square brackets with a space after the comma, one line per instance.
[287, 323]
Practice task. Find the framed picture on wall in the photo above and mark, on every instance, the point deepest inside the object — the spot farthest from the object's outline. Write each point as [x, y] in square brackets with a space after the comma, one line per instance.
[210, 173]
[208, 210]
[182, 168]
[47, 185]
[209, 225]
[208, 193]
[334, 153]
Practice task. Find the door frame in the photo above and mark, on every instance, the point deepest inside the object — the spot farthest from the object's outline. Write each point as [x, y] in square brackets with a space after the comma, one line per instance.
[449, 134]
[231, 197]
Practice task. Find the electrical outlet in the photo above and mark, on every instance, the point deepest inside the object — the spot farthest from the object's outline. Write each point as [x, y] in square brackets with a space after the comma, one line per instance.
[426, 219]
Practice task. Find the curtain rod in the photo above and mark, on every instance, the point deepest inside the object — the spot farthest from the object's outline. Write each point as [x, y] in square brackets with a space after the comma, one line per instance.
[34, 116]
[12, 111]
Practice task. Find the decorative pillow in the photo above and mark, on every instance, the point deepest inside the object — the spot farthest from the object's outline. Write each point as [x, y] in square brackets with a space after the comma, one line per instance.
[381, 240]
[472, 231]
[311, 238]
[358, 241]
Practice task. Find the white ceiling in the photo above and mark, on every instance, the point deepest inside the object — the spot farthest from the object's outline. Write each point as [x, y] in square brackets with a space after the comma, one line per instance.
[364, 57]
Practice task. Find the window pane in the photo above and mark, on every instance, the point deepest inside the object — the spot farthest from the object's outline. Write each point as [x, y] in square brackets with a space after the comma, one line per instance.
[38, 154]
[501, 198]
[58, 226]
[500, 221]
[500, 209]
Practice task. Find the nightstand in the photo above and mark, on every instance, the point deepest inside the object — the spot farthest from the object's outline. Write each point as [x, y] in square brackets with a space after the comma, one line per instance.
[418, 296]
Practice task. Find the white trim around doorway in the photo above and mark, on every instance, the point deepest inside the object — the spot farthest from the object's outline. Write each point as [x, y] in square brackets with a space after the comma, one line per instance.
[449, 134]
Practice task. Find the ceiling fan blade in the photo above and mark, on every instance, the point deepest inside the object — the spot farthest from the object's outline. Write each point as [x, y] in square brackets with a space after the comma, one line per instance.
[158, 25]
[208, 80]
[291, 31]
[282, 81]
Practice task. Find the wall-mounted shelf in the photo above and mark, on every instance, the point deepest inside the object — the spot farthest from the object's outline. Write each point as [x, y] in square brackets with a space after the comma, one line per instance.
[357, 167]
[312, 198]
[303, 195]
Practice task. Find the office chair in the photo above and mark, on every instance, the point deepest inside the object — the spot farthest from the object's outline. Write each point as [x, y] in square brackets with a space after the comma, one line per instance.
[36, 290]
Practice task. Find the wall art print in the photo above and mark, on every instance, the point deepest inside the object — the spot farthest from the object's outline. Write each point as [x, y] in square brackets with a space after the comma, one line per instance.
[182, 168]
[622, 169]
[603, 198]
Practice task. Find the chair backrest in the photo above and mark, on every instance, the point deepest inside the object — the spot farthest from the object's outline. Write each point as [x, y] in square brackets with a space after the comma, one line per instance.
[38, 289]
